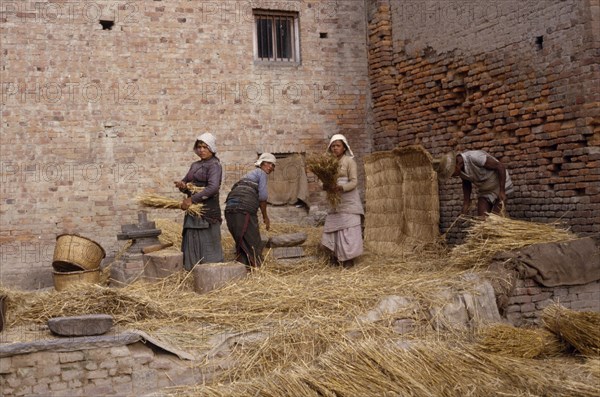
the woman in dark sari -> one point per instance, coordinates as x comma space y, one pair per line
201, 241
241, 209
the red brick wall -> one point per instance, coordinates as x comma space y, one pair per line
519, 80
91, 118
528, 299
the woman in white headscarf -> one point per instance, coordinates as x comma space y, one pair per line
241, 209
342, 233
201, 241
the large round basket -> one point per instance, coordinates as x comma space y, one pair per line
73, 252
63, 280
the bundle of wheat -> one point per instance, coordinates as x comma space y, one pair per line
493, 234
193, 188
326, 168
157, 201
511, 341
580, 329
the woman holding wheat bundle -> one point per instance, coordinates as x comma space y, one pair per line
201, 241
342, 233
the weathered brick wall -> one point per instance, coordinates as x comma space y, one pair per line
130, 370
529, 298
91, 117
517, 79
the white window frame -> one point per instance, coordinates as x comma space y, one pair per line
262, 13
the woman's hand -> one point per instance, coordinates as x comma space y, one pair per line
185, 204
180, 184
267, 222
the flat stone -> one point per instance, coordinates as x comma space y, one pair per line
287, 240
85, 325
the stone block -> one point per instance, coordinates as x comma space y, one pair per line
288, 252
287, 240
210, 276
70, 357
161, 264
84, 325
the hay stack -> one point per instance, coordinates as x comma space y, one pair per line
488, 236
510, 341
579, 329
158, 201
402, 203
326, 167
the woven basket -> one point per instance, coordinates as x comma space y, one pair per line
73, 253
63, 280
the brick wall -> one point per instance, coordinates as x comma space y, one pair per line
130, 370
91, 117
528, 299
517, 79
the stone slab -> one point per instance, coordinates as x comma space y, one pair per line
287, 240
210, 276
85, 325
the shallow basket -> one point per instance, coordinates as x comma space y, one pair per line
73, 252
63, 280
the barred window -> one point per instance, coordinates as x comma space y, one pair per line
276, 36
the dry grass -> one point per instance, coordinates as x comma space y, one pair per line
326, 167
510, 341
292, 329
158, 201
493, 234
580, 329
412, 368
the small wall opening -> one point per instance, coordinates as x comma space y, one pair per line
106, 25
539, 42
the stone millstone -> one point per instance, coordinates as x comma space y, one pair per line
86, 325
287, 240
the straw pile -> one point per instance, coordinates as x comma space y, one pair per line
488, 236
158, 201
510, 341
326, 167
401, 199
580, 329
418, 369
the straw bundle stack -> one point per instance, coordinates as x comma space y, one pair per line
158, 201
493, 234
401, 199
580, 329
326, 167
510, 341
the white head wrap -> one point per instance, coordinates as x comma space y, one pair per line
340, 137
210, 141
268, 157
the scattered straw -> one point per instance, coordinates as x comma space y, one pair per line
492, 234
520, 342
157, 201
579, 329
326, 167
405, 368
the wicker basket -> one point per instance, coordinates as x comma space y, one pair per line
63, 280
73, 253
